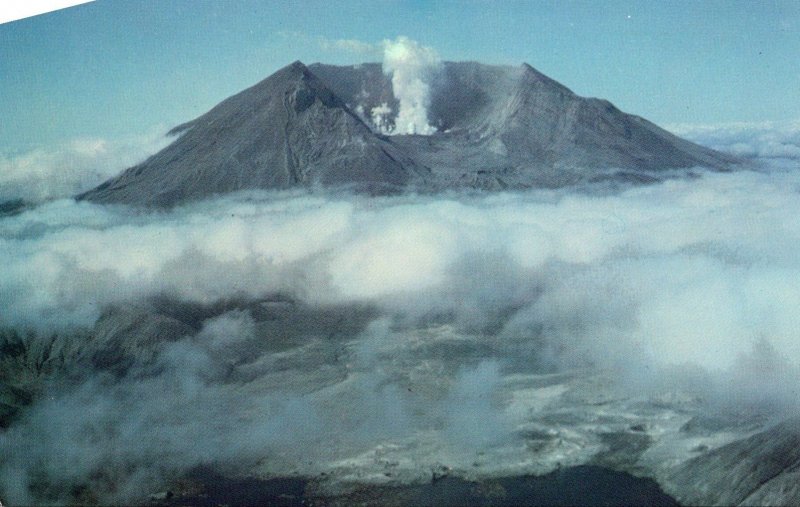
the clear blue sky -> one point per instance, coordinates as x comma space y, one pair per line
115, 68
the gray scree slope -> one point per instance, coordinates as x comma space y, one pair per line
498, 127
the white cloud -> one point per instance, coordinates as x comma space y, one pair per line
652, 282
352, 46
701, 267
348, 46
73, 167
765, 140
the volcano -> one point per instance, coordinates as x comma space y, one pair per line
497, 127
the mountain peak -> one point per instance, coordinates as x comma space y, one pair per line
296, 70
288, 130
497, 127
531, 76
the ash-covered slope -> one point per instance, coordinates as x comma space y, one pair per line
502, 126
288, 130
760, 470
497, 127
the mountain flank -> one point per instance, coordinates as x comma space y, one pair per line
498, 127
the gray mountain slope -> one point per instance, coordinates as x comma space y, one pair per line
498, 127
513, 126
288, 130
760, 470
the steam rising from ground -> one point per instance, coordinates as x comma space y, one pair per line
686, 279
411, 66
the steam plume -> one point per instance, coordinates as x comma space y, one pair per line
411, 66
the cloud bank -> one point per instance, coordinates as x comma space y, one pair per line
766, 140
76, 166
700, 274
283, 304
692, 264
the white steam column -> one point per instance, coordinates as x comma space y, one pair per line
411, 66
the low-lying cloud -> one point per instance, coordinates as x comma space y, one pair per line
765, 140
73, 167
678, 268
689, 275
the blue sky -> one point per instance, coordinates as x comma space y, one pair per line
116, 68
